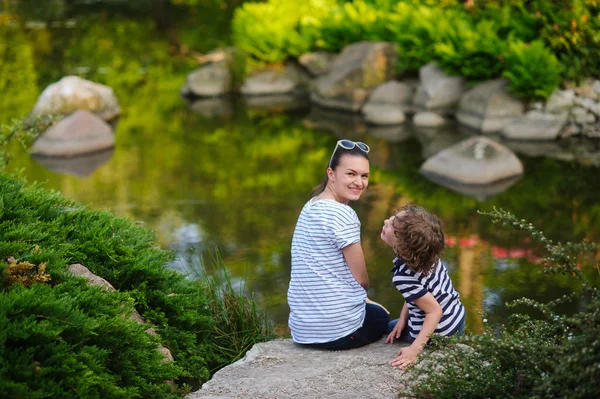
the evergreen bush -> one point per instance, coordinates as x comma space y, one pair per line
553, 356
533, 71
40, 226
468, 49
74, 341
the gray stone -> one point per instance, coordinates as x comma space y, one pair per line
488, 107
582, 115
318, 63
586, 90
534, 149
560, 101
78, 270
428, 119
387, 103
590, 105
73, 93
80, 133
438, 91
355, 73
596, 86
268, 83
281, 369
392, 93
380, 114
536, 125
210, 80
475, 161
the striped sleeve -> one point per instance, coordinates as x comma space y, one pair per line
410, 287
345, 229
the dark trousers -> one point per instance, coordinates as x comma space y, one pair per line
374, 326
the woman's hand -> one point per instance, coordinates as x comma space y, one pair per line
367, 300
406, 356
395, 334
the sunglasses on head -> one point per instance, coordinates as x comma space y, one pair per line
349, 145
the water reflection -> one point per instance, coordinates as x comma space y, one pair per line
81, 166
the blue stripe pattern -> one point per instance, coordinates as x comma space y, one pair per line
326, 303
414, 285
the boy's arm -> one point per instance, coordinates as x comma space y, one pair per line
433, 315
355, 259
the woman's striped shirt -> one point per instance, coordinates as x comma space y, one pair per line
414, 285
326, 302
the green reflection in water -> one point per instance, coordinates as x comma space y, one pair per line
236, 181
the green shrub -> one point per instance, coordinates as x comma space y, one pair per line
533, 71
73, 341
415, 30
553, 356
473, 51
569, 28
271, 31
38, 226
351, 22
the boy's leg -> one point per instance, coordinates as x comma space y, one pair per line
405, 335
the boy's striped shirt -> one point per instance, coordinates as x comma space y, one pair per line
414, 285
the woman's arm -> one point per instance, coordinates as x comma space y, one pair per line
355, 259
433, 315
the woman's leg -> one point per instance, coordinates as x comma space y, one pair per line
374, 326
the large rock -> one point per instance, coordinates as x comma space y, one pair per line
438, 92
80, 133
387, 103
210, 80
318, 63
560, 101
536, 125
73, 93
428, 119
354, 74
282, 369
488, 107
268, 83
475, 161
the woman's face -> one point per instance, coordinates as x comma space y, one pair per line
350, 178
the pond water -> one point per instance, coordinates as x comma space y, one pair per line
228, 179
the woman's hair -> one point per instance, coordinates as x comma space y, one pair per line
420, 239
339, 152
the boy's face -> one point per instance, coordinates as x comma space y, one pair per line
387, 234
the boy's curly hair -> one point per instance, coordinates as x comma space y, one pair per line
420, 239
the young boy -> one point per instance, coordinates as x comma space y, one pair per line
432, 305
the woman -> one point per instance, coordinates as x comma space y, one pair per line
327, 295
